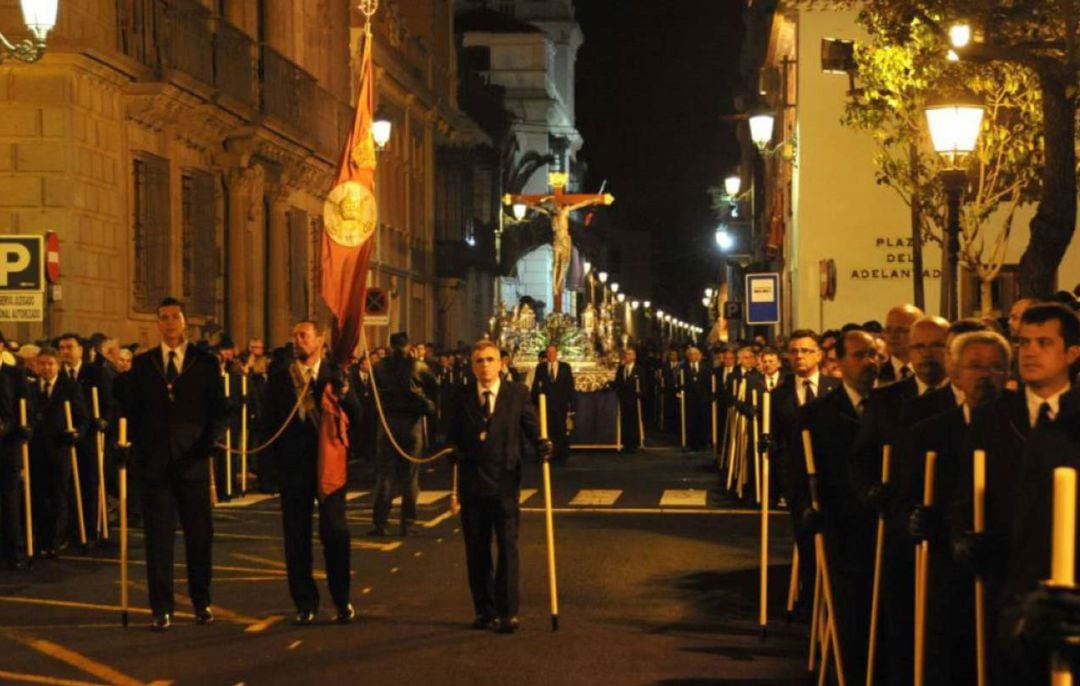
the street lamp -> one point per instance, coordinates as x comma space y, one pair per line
705, 301
954, 130
708, 292
602, 276
647, 304
621, 297
732, 185
39, 17
635, 304
614, 288
724, 240
587, 266
761, 128
380, 130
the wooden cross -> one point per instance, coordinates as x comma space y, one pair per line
558, 205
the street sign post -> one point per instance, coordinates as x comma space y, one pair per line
733, 309
22, 279
763, 298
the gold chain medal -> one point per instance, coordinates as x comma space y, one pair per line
349, 214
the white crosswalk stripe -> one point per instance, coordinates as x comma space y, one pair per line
683, 497
597, 496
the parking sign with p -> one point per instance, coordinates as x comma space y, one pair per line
22, 279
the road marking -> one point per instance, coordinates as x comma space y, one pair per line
294, 645
217, 568
526, 493
596, 496
683, 497
222, 612
353, 495
426, 497
434, 522
82, 606
654, 510
381, 547
36, 679
76, 660
247, 500
263, 625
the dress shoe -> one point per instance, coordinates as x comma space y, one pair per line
483, 622
162, 622
505, 625
346, 614
304, 618
204, 616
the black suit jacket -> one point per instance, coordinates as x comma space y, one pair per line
629, 387
849, 525
561, 397
880, 426
173, 438
50, 420
490, 452
295, 453
785, 427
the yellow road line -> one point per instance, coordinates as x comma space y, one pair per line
653, 510
370, 545
255, 558
79, 605
432, 523
217, 568
37, 679
77, 660
596, 496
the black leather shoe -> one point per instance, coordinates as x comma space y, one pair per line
162, 622
482, 622
345, 615
304, 618
506, 625
204, 616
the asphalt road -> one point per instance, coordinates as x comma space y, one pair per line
654, 588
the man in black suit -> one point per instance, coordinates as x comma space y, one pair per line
296, 454
556, 380
805, 384
978, 366
175, 404
50, 452
12, 387
1048, 341
898, 323
408, 393
695, 383
846, 522
628, 384
88, 376
668, 380
507, 371
488, 422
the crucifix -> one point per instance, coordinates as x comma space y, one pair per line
558, 205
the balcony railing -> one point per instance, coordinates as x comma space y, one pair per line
234, 64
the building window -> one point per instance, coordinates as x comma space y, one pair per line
150, 223
201, 251
299, 283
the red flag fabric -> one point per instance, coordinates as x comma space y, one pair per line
349, 220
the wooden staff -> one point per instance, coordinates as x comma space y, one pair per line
660, 396
815, 620
122, 478
682, 406
922, 564
455, 504
1063, 556
73, 452
640, 415
27, 502
549, 521
757, 453
243, 434
102, 518
733, 427
712, 383
879, 549
979, 487
823, 561
793, 583
228, 441
764, 580
740, 446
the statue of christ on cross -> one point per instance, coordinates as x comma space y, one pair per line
558, 206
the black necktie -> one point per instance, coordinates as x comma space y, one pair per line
808, 392
487, 405
171, 372
1043, 420
905, 372
47, 388
71, 373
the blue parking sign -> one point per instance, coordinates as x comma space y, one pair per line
763, 298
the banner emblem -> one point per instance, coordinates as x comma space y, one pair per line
350, 214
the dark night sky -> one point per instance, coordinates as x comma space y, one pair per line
653, 81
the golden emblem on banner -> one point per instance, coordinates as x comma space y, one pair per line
349, 214
363, 153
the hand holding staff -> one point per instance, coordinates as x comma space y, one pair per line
123, 448
102, 519
922, 564
549, 519
75, 472
25, 427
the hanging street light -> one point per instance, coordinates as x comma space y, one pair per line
40, 18
732, 185
761, 128
381, 127
954, 131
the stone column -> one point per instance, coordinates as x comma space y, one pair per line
277, 277
239, 182
255, 257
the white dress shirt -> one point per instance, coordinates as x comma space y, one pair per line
179, 350
494, 389
800, 387
1034, 402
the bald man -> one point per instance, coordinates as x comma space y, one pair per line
898, 323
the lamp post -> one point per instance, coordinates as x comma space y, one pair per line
39, 17
954, 130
